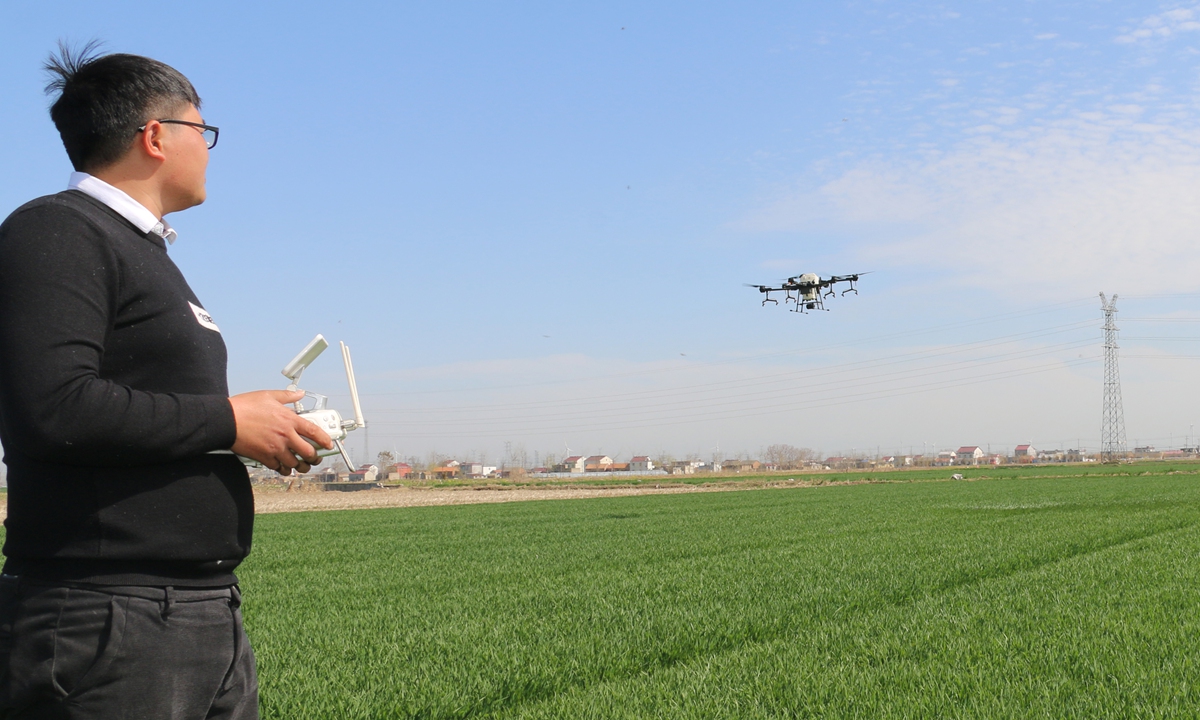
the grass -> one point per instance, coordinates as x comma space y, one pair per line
1015, 596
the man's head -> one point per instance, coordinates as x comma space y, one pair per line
104, 99
134, 123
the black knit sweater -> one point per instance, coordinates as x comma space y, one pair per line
112, 394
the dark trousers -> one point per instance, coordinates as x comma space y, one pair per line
124, 652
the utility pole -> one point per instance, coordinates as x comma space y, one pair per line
1112, 422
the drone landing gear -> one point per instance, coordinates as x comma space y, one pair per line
850, 289
804, 307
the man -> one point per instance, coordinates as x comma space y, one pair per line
126, 513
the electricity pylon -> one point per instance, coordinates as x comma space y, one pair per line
1112, 422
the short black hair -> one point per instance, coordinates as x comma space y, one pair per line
103, 100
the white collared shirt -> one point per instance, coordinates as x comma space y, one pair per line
125, 206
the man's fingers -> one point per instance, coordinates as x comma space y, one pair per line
271, 433
312, 430
285, 396
287, 461
302, 465
303, 448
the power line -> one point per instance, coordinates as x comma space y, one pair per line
860, 365
754, 394
661, 400
623, 422
808, 349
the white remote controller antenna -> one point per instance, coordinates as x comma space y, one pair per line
359, 422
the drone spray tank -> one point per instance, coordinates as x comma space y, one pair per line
810, 290
326, 418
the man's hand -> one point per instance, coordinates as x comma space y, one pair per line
273, 434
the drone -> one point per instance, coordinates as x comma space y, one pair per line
326, 418
808, 291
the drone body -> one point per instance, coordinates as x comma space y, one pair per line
808, 291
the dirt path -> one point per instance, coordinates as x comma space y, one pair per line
276, 501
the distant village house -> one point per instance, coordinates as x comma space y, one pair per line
968, 455
641, 463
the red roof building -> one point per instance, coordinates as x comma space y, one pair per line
968, 455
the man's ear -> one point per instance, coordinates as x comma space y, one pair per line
150, 141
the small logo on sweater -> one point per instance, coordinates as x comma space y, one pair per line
203, 317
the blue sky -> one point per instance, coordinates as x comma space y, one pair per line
532, 222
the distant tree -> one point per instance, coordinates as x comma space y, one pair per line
385, 460
788, 456
773, 453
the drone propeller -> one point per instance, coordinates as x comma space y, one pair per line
764, 288
848, 278
853, 278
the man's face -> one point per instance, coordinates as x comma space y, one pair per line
187, 160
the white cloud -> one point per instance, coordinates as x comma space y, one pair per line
1126, 109
1164, 25
1089, 204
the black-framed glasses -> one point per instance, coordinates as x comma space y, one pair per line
210, 132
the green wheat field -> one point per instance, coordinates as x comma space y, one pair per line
1032, 592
